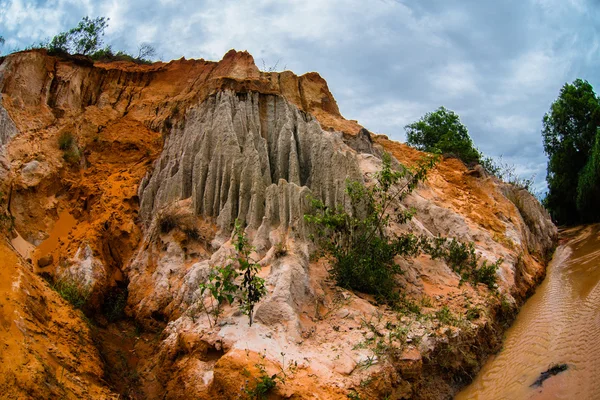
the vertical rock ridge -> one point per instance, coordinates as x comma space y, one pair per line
249, 156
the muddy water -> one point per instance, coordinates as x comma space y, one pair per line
559, 324
61, 229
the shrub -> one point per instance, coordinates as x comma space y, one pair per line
167, 222
66, 140
114, 303
463, 260
486, 273
506, 172
222, 288
361, 251
445, 316
85, 38
72, 291
262, 385
441, 131
72, 156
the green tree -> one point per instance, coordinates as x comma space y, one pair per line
588, 185
569, 133
85, 38
442, 131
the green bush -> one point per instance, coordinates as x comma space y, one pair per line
463, 260
114, 303
66, 140
85, 38
441, 131
72, 291
361, 251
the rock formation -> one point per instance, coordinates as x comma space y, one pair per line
138, 207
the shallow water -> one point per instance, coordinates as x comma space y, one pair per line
61, 229
559, 324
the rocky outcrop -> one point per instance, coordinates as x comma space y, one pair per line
247, 157
7, 127
169, 156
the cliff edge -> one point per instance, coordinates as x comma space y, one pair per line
127, 180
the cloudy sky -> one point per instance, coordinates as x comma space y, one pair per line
498, 64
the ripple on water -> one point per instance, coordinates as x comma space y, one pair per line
560, 323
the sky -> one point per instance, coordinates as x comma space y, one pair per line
498, 64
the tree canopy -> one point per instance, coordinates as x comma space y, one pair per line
442, 131
85, 38
570, 134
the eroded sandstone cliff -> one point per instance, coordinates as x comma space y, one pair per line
200, 144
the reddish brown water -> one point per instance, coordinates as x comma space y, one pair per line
559, 324
61, 229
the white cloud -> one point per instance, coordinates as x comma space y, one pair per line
388, 62
457, 79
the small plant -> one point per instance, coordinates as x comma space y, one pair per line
407, 306
252, 288
220, 284
221, 281
72, 156
68, 144
473, 313
486, 273
463, 260
354, 395
507, 173
72, 291
281, 250
444, 315
114, 303
265, 383
66, 140
169, 219
166, 222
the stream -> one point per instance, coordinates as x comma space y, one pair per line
559, 324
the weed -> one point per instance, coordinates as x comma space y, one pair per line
463, 260
252, 288
72, 291
486, 273
221, 281
166, 222
445, 316
426, 302
265, 383
473, 313
406, 306
72, 156
353, 395
192, 233
114, 304
281, 250
66, 140
220, 284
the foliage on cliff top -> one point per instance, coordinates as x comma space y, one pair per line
442, 131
